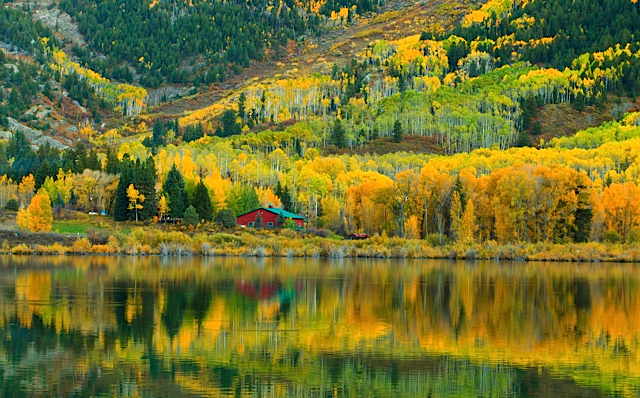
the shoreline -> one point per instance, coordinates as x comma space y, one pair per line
517, 260
144, 243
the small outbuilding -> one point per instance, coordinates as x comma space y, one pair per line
269, 217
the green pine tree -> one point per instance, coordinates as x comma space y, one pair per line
226, 218
202, 202
338, 134
191, 216
397, 131
176, 195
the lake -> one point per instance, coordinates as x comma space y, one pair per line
236, 327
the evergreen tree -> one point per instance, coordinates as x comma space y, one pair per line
158, 134
583, 218
241, 106
191, 216
338, 134
145, 180
397, 131
121, 202
226, 218
92, 161
113, 164
174, 190
202, 202
228, 124
282, 192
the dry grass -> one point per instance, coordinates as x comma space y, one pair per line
289, 244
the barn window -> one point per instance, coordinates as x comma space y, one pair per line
252, 224
269, 224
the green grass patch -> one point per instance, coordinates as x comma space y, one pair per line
71, 227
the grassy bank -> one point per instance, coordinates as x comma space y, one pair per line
151, 241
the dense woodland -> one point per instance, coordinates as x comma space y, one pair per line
479, 87
28, 70
567, 192
276, 144
552, 32
212, 36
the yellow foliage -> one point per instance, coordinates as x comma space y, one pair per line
38, 217
268, 198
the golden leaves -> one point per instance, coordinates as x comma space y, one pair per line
38, 217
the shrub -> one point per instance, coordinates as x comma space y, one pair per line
12, 205
226, 218
612, 236
436, 239
21, 249
97, 237
225, 239
191, 216
81, 246
634, 236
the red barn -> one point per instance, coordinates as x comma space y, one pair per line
268, 217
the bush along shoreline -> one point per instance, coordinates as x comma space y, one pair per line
144, 242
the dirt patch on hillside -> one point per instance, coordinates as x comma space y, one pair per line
380, 146
398, 19
559, 120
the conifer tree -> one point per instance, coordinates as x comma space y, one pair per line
191, 216
282, 192
338, 134
226, 218
397, 131
121, 202
202, 202
145, 181
113, 165
174, 190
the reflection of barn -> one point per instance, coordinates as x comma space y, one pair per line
269, 217
273, 295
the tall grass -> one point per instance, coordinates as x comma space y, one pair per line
142, 242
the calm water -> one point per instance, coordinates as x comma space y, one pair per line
132, 327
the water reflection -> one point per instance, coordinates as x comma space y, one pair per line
151, 327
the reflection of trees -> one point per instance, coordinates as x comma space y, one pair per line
357, 328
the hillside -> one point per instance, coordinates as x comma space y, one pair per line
452, 122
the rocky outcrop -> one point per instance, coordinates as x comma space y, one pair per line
36, 137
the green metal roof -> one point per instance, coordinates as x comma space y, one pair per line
283, 213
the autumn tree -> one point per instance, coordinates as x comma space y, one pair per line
163, 207
26, 189
455, 215
621, 208
38, 216
468, 227
241, 199
136, 199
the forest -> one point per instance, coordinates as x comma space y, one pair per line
218, 36
301, 142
